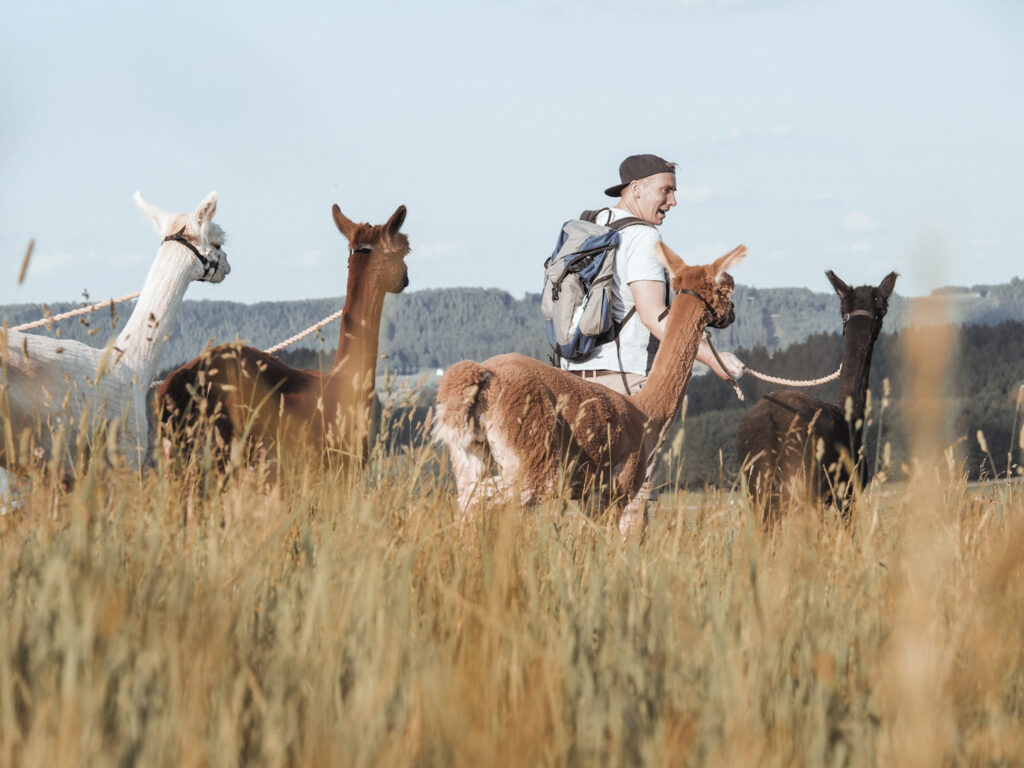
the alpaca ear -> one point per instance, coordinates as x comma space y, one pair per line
395, 222
345, 226
888, 283
668, 258
204, 213
158, 216
841, 288
731, 259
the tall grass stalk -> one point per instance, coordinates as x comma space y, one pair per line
321, 618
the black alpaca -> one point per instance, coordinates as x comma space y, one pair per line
780, 438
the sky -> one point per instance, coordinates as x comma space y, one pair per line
861, 137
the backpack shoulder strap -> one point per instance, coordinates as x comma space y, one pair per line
617, 224
620, 224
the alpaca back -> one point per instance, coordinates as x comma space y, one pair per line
457, 415
786, 442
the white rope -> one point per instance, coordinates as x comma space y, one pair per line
305, 333
734, 379
74, 312
794, 382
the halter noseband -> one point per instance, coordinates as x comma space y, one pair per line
715, 322
209, 265
856, 313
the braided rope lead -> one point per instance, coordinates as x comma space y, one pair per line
795, 382
74, 312
305, 333
286, 342
734, 379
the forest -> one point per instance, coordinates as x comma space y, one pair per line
982, 390
786, 332
433, 328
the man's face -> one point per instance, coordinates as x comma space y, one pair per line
656, 194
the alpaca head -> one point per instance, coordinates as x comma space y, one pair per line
709, 282
197, 232
863, 304
377, 252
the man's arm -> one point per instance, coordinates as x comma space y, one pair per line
649, 298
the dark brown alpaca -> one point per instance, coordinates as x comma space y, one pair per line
793, 446
244, 391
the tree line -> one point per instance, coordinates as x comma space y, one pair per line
981, 391
429, 329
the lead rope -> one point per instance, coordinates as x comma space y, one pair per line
74, 313
111, 302
734, 379
303, 334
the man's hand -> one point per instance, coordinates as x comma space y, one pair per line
735, 366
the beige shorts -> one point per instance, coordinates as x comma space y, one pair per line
614, 382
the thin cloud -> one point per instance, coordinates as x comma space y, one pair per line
126, 259
733, 134
699, 193
861, 246
439, 250
820, 197
858, 221
746, 134
306, 259
49, 263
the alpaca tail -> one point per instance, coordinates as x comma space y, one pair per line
459, 405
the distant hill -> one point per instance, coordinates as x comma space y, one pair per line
437, 327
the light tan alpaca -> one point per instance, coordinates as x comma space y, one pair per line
549, 431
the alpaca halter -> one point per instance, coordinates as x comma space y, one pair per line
209, 265
716, 321
856, 313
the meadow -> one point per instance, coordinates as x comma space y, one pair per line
176, 618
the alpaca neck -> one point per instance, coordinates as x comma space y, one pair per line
853, 381
141, 341
673, 363
355, 362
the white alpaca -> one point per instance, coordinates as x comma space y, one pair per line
60, 387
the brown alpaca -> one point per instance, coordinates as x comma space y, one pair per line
248, 393
794, 447
549, 431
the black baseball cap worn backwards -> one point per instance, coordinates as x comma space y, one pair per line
639, 167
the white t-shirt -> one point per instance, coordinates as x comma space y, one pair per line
635, 260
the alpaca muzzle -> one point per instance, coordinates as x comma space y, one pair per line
724, 320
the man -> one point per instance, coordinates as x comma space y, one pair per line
647, 192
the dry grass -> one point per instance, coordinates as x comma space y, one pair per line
329, 622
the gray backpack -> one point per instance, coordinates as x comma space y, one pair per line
577, 298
